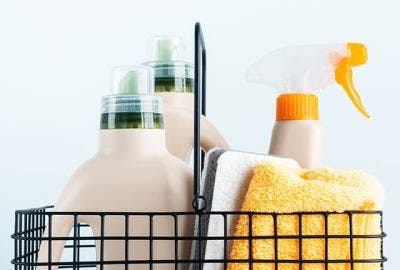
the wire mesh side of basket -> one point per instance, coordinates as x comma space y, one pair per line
30, 226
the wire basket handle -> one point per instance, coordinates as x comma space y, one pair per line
199, 202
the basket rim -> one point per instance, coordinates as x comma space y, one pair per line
44, 211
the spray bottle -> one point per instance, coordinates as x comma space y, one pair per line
174, 83
132, 171
298, 72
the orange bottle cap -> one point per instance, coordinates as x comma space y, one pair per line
297, 107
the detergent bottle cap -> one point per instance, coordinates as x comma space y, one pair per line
166, 56
132, 91
298, 71
166, 48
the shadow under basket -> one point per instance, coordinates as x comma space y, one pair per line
296, 236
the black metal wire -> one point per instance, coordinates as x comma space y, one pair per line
199, 202
30, 234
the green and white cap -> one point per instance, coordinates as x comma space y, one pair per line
132, 91
166, 55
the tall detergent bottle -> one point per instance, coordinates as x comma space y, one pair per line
132, 171
174, 83
297, 72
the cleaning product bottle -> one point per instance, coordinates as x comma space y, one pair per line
132, 171
174, 83
297, 72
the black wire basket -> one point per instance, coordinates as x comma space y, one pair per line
81, 243
84, 249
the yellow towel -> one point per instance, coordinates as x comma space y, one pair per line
279, 189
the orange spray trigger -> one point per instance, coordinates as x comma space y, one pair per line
344, 77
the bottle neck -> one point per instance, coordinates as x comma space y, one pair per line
297, 107
131, 141
173, 84
136, 120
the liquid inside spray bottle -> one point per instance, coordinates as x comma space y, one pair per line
297, 72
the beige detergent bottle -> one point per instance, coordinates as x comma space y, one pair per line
132, 171
174, 83
297, 72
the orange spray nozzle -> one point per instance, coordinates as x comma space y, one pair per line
356, 55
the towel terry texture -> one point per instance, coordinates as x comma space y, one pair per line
277, 188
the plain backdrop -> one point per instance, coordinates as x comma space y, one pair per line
55, 57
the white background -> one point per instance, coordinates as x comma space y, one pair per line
55, 58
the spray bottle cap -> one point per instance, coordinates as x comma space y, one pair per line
299, 70
132, 91
166, 55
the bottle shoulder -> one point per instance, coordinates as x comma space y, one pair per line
102, 168
299, 124
103, 185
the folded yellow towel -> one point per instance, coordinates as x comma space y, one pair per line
279, 189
